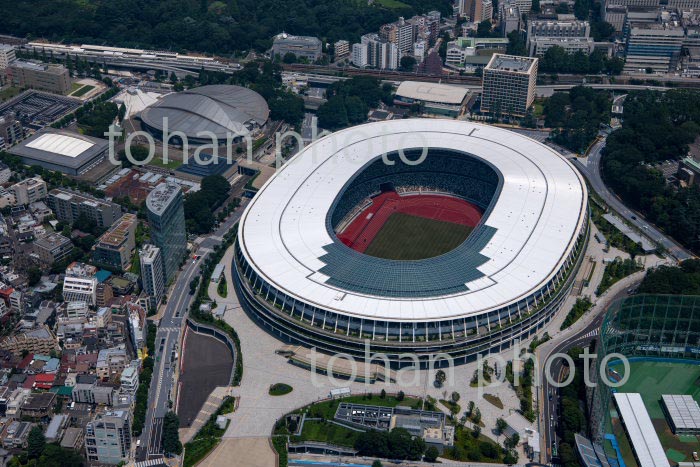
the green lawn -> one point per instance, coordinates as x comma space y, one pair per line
468, 448
82, 90
406, 237
652, 379
327, 432
391, 4
280, 389
172, 164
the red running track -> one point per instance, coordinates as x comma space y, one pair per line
362, 230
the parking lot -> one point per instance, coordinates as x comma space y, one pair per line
37, 110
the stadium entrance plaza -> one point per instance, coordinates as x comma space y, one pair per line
257, 411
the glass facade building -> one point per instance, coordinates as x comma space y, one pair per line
166, 218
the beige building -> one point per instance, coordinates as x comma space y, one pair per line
29, 190
52, 248
509, 85
116, 246
40, 340
45, 77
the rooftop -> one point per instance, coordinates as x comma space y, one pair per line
161, 197
511, 63
442, 93
61, 147
62, 144
683, 410
640, 430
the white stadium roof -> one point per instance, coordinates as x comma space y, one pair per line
640, 429
60, 144
537, 218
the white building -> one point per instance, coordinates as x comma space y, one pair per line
29, 190
360, 55
342, 48
152, 277
129, 380
7, 55
76, 289
509, 85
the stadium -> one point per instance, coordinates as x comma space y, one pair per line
660, 337
466, 252
197, 113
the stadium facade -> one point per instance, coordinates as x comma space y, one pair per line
500, 285
221, 110
644, 327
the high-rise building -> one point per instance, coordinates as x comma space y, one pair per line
152, 276
108, 438
359, 55
401, 33
509, 18
166, 217
7, 55
654, 46
68, 205
509, 85
46, 77
116, 246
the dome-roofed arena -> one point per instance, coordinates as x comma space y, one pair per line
219, 109
466, 252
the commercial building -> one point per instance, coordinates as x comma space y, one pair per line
152, 274
646, 445
341, 48
459, 50
45, 77
69, 205
400, 33
655, 46
116, 246
509, 84
166, 217
682, 413
108, 438
436, 99
571, 35
52, 248
7, 55
375, 52
29, 190
80, 289
63, 151
306, 47
303, 284
11, 131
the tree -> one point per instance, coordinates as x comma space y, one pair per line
407, 63
289, 57
377, 463
476, 418
35, 442
484, 29
470, 408
512, 441
400, 396
431, 454
440, 378
171, 440
476, 431
33, 276
382, 395
455, 397
501, 425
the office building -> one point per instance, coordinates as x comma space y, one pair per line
341, 48
509, 85
166, 217
570, 35
108, 438
652, 46
306, 47
45, 77
116, 246
111, 362
461, 48
486, 10
80, 289
152, 276
7, 55
509, 17
68, 205
11, 132
29, 190
52, 248
5, 173
64, 151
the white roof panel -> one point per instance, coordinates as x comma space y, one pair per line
640, 429
60, 144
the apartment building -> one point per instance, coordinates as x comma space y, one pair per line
509, 85
68, 205
36, 75
29, 190
116, 247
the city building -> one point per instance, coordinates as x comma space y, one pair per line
509, 84
5, 173
7, 55
29, 190
306, 47
108, 438
311, 281
341, 48
571, 35
462, 48
129, 380
63, 151
152, 274
38, 405
69, 205
40, 340
400, 33
486, 10
166, 218
111, 362
436, 99
52, 248
509, 18
80, 289
53, 78
375, 52
11, 132
115, 247
360, 55
652, 46
682, 413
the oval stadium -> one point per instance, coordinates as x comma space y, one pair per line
415, 236
219, 109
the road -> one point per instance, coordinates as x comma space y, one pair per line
168, 341
590, 168
579, 335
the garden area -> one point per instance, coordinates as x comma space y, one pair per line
208, 436
280, 389
618, 269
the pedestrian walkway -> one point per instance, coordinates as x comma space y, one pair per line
210, 406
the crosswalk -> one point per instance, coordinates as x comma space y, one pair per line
590, 334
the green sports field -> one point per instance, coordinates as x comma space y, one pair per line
407, 237
652, 379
